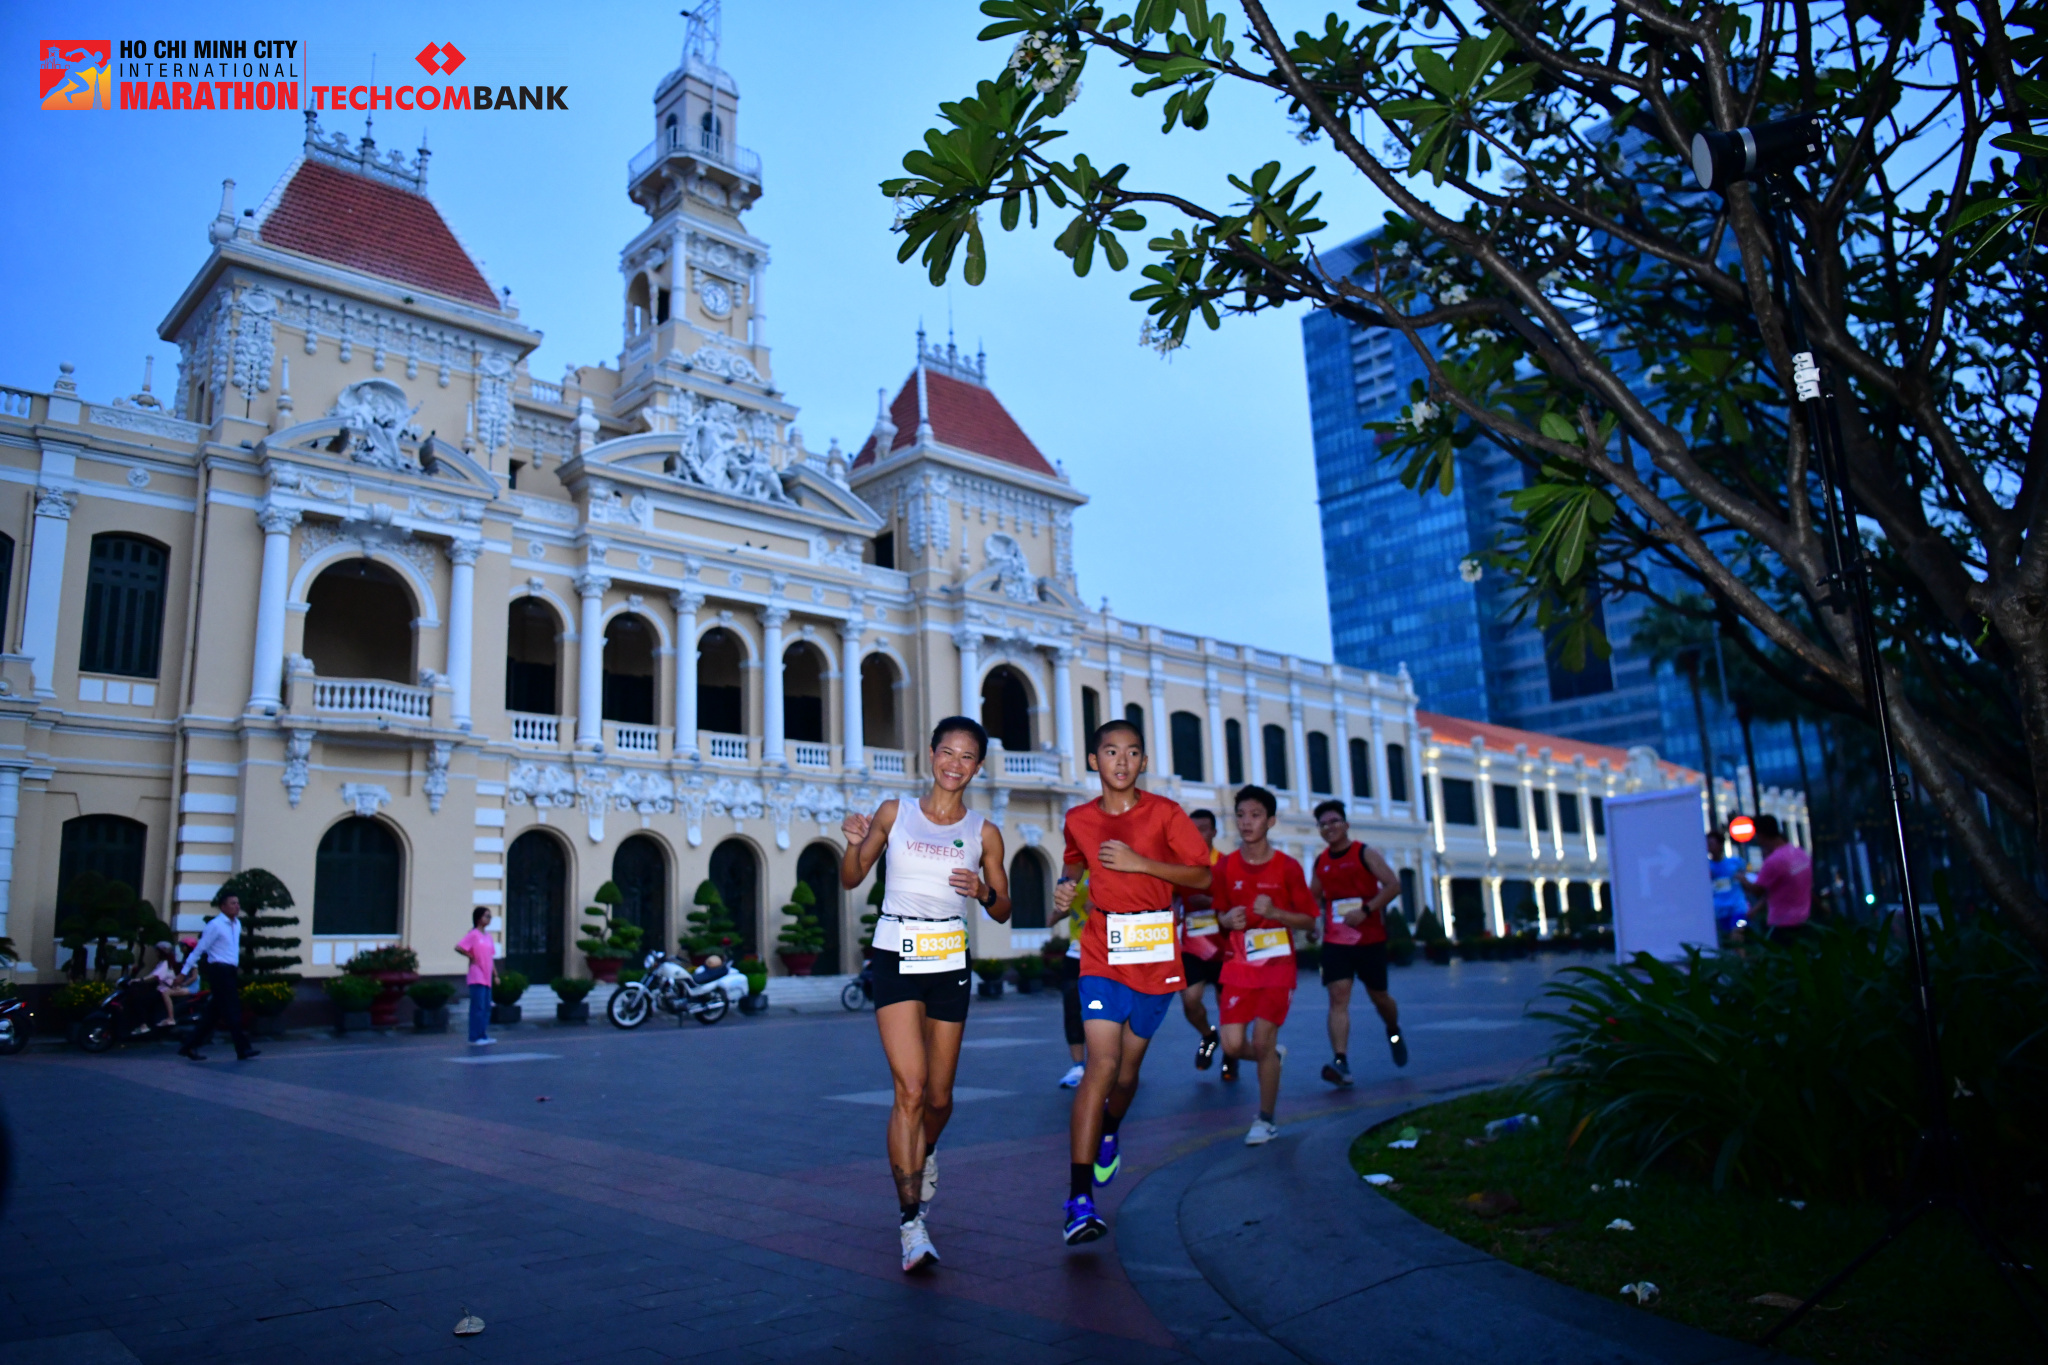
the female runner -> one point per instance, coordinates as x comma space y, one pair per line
935, 846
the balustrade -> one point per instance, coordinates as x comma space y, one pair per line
634, 739
371, 697
811, 755
531, 729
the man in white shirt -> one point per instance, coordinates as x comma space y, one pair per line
218, 955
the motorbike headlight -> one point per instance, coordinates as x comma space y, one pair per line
652, 958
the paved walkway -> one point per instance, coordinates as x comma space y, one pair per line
671, 1193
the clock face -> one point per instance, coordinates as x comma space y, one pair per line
716, 297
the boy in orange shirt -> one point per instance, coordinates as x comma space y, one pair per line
1261, 897
1136, 849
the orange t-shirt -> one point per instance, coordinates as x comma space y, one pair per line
1239, 883
1205, 946
1155, 828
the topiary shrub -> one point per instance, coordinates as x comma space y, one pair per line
610, 936
709, 928
802, 933
265, 955
431, 995
509, 986
351, 994
395, 957
571, 989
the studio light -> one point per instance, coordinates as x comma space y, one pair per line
1721, 159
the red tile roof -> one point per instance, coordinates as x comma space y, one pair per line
964, 416
379, 229
1503, 739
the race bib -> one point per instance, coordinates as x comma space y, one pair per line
1348, 905
925, 946
1724, 884
1200, 924
1263, 945
1144, 937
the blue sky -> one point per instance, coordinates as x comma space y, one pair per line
1200, 468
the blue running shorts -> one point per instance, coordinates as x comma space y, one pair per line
1103, 998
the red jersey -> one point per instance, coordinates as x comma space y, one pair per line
1344, 877
1131, 936
1261, 953
1198, 932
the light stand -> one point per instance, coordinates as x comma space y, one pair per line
1936, 1172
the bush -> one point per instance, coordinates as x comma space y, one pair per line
267, 997
263, 953
509, 986
395, 957
990, 968
1792, 1068
1029, 967
710, 925
610, 936
755, 971
76, 999
351, 993
803, 933
628, 975
1430, 929
571, 989
431, 995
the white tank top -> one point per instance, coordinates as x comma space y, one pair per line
922, 856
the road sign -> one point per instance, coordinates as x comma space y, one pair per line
1742, 829
1663, 898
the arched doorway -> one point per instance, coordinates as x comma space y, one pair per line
1006, 709
629, 671
1028, 901
640, 871
536, 890
879, 682
359, 618
357, 875
803, 694
533, 636
737, 875
818, 868
721, 661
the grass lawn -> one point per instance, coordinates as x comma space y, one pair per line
1929, 1297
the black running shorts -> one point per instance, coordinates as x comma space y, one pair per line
1366, 961
944, 995
1202, 971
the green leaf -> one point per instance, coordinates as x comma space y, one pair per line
1559, 428
1435, 70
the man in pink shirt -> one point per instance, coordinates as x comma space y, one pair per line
1785, 881
482, 951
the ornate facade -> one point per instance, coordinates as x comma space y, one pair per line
368, 604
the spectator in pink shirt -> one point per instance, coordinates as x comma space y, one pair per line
482, 951
1785, 882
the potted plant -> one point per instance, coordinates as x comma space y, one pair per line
802, 938
1400, 941
1030, 968
74, 1000
1435, 945
572, 1008
611, 940
505, 993
990, 970
755, 1001
352, 995
265, 1000
709, 928
393, 967
430, 1005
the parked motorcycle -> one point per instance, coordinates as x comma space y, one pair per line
133, 1013
15, 1025
670, 987
860, 991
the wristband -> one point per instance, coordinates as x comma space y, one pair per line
985, 904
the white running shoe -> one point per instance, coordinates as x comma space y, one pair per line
1262, 1133
931, 1178
1072, 1080
917, 1245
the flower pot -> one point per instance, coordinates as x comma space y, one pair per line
504, 1014
755, 1002
354, 1021
1439, 953
1402, 952
604, 968
430, 1021
990, 990
567, 1012
1027, 985
269, 1025
799, 963
384, 1009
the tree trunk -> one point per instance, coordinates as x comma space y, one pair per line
1699, 715
1742, 716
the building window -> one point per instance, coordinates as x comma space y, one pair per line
878, 683
1599, 811
818, 868
736, 873
1276, 757
720, 661
1027, 890
532, 644
1135, 714
1567, 813
628, 671
1187, 745
803, 694
1409, 906
1091, 715
110, 846
1397, 773
640, 871
1539, 802
661, 305
885, 550
670, 127
1468, 901
1233, 752
1361, 769
1428, 813
1319, 780
512, 473
356, 874
359, 623
1461, 802
124, 607
1006, 709
1507, 806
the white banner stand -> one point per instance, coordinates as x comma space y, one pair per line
1657, 865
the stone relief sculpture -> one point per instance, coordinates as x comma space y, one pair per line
374, 418
1002, 553
725, 448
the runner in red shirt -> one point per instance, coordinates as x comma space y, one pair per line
1261, 898
1136, 848
1354, 886
1201, 953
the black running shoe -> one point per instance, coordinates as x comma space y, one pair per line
1205, 1055
1230, 1070
1337, 1072
1398, 1048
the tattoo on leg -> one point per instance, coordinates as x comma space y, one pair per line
909, 1185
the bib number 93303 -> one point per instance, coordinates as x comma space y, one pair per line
1143, 937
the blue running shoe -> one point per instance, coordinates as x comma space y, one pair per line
1083, 1225
1108, 1161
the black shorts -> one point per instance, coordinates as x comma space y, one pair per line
1202, 971
1366, 961
944, 995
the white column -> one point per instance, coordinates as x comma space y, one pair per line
772, 719
590, 661
10, 807
1529, 814
1482, 782
1299, 729
852, 733
1379, 766
462, 556
1500, 913
969, 644
1436, 802
1160, 741
1542, 914
1586, 816
686, 604
1343, 743
43, 604
1556, 822
266, 672
1063, 709
1254, 736
1217, 769
1113, 676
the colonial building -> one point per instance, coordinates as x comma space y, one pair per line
364, 602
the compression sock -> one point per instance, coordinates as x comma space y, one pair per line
1343, 1056
908, 1213
1080, 1180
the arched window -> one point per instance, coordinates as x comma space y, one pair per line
359, 623
637, 309
1276, 757
536, 895
1028, 900
6, 577
629, 671
720, 699
1091, 715
1187, 745
640, 871
1397, 773
1361, 769
356, 878
1233, 752
1006, 709
124, 607
803, 694
737, 875
1319, 780
711, 129
818, 868
879, 682
1135, 714
669, 130
110, 845
532, 652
